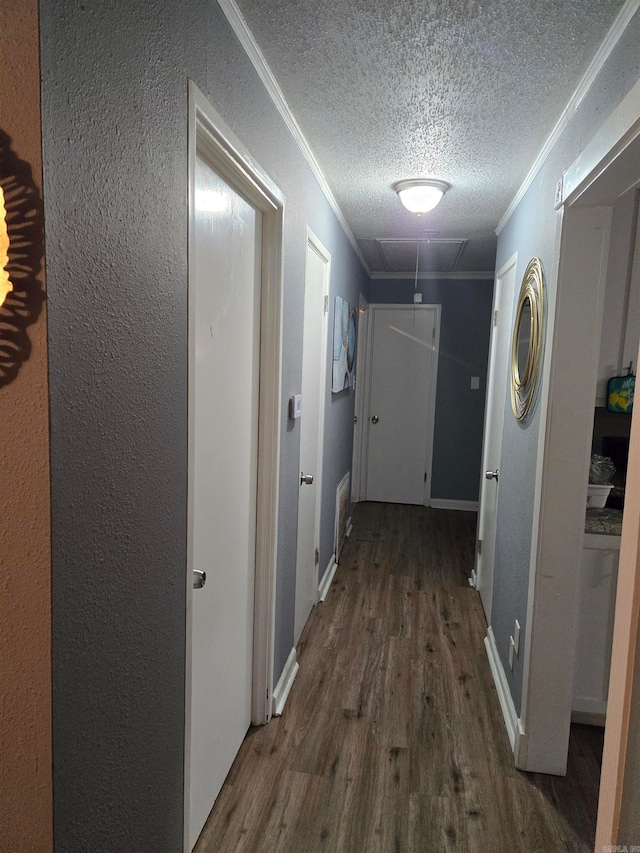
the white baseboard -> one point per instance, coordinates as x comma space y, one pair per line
325, 583
285, 683
517, 736
349, 527
461, 506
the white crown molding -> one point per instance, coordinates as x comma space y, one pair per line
248, 42
430, 276
612, 38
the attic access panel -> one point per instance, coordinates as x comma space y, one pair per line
437, 254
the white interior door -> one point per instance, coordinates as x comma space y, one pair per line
404, 356
224, 332
499, 361
314, 378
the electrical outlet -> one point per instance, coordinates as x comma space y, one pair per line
512, 648
516, 637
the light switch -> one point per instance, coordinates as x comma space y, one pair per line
475, 383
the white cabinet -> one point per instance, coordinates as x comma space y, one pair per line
596, 609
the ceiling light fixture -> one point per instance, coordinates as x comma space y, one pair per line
420, 195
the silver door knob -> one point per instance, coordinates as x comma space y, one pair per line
492, 475
375, 419
199, 579
307, 479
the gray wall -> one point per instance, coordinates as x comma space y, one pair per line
532, 231
114, 78
347, 280
465, 328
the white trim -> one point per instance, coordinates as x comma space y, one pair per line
349, 527
208, 132
616, 31
327, 577
358, 463
435, 276
502, 686
250, 46
285, 683
612, 137
446, 503
431, 414
515, 731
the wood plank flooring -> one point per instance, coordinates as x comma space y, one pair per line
392, 739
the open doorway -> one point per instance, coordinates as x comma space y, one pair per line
607, 169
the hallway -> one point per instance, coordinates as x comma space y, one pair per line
392, 737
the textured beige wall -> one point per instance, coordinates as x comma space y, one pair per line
25, 564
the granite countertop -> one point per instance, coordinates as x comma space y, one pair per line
603, 521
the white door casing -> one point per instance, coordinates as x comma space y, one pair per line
358, 465
226, 300
235, 286
403, 359
313, 392
499, 361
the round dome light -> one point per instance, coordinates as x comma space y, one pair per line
421, 195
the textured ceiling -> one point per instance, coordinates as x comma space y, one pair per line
463, 90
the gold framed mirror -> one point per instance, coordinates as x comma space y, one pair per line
527, 341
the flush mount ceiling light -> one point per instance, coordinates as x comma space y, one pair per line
420, 195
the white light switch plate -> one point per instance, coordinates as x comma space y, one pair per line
475, 383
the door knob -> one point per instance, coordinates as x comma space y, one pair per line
199, 579
492, 475
307, 479
375, 419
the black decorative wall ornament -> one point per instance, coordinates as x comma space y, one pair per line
23, 218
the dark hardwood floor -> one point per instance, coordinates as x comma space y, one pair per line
392, 738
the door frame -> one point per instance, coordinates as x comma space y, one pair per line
358, 483
583, 234
208, 132
314, 244
368, 378
494, 387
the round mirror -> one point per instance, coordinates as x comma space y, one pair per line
527, 341
524, 338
